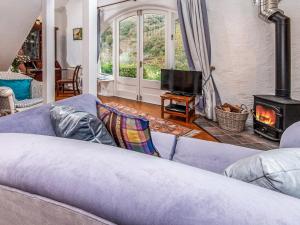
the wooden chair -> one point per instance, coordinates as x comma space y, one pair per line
60, 84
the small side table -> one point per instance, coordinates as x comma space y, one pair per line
189, 106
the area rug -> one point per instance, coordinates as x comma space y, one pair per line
157, 124
246, 138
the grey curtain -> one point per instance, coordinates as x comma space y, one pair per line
99, 20
196, 38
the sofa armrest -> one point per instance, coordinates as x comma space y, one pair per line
290, 138
41, 124
7, 100
211, 156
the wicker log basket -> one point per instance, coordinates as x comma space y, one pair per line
232, 118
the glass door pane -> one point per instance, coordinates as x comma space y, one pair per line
106, 52
181, 62
128, 47
154, 46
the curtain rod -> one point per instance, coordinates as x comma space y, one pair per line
116, 3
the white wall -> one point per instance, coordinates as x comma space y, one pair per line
112, 11
242, 44
61, 24
17, 19
292, 9
74, 20
243, 49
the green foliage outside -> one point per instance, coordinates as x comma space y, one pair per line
152, 72
154, 48
106, 49
128, 46
181, 62
128, 70
107, 68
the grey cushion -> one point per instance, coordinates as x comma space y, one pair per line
278, 170
211, 156
290, 138
70, 123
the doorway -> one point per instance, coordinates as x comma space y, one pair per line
142, 42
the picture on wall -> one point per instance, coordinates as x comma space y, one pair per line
77, 34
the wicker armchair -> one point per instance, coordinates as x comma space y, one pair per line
8, 102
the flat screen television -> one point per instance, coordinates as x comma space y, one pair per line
181, 82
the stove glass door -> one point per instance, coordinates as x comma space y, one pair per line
266, 115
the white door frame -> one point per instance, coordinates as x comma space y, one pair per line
150, 89
131, 83
139, 88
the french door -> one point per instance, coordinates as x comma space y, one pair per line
141, 54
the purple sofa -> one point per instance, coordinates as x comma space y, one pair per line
50, 180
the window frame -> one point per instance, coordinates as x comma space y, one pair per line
171, 18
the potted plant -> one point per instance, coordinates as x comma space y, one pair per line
20, 59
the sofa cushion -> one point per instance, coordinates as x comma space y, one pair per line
211, 156
129, 131
164, 143
278, 170
74, 124
37, 120
128, 188
290, 138
21, 88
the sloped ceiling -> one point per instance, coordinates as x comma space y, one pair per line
17, 18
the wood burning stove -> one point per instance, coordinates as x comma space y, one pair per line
274, 114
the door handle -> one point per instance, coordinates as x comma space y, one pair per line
139, 98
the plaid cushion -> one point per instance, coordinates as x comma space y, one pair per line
129, 131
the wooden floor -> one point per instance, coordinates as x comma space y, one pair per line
153, 110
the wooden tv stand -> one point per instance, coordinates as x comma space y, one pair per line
186, 112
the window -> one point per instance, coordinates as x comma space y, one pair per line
154, 46
128, 47
181, 62
106, 52
154, 51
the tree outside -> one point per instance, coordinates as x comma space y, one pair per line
106, 52
128, 47
181, 62
154, 48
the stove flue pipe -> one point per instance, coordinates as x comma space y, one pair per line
267, 8
269, 12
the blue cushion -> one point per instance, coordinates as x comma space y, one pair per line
21, 88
